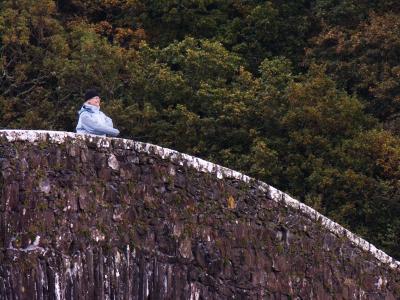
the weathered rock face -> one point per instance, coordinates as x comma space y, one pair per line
85, 217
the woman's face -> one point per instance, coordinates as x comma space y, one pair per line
94, 101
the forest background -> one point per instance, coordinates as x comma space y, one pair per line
301, 94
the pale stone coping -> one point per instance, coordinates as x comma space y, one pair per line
201, 165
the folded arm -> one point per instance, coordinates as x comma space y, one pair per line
95, 127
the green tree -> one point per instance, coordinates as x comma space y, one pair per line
270, 28
30, 34
350, 13
365, 61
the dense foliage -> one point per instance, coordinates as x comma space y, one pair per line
302, 94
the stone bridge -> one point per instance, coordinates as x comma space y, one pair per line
88, 217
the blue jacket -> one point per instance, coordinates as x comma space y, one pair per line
93, 121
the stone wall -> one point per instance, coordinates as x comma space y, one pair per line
85, 217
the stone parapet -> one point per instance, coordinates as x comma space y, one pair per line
94, 217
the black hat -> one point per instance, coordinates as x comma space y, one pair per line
90, 94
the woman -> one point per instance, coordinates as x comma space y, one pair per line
92, 120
